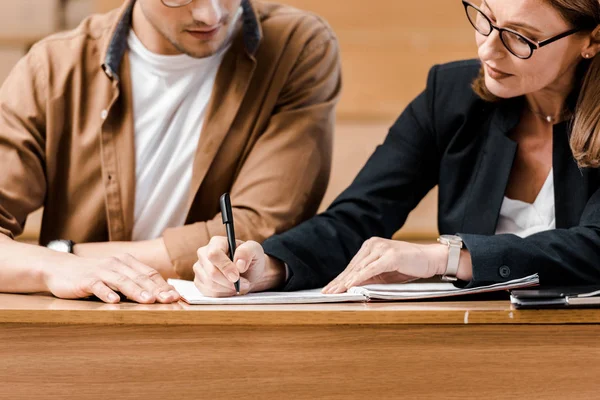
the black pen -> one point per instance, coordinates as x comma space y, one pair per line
227, 215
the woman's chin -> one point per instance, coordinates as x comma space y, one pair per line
499, 89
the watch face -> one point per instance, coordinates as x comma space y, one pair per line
452, 239
58, 245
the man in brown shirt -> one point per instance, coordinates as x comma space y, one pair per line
69, 132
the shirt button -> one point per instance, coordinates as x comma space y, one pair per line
104, 114
504, 271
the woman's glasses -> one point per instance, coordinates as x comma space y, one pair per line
518, 45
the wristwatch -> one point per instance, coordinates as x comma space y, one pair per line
455, 244
64, 246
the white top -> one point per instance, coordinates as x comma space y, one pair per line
524, 219
170, 100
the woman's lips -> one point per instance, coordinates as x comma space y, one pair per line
496, 73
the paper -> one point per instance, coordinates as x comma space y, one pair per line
191, 295
415, 291
408, 291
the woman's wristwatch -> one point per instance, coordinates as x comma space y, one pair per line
455, 244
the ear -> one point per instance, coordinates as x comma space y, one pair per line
592, 44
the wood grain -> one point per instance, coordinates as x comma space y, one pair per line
216, 362
30, 309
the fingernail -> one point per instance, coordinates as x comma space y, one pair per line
174, 294
113, 297
145, 295
232, 276
241, 264
164, 295
244, 286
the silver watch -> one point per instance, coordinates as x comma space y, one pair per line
455, 244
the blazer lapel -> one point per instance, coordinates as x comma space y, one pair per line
231, 85
570, 183
487, 194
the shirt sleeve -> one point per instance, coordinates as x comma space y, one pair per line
22, 144
284, 178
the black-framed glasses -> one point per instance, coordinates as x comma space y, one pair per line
517, 44
176, 3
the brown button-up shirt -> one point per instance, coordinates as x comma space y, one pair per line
67, 140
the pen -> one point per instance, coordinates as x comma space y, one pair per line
227, 215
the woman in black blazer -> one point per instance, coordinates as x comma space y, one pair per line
489, 132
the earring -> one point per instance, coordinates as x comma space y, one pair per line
586, 55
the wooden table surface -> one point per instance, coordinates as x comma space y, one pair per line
46, 309
61, 349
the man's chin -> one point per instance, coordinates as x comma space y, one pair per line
201, 49
204, 53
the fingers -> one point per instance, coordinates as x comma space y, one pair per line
333, 285
340, 284
247, 254
215, 273
211, 285
120, 282
365, 256
104, 293
217, 254
389, 277
365, 273
149, 279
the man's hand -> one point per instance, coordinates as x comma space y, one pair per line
103, 277
215, 273
150, 252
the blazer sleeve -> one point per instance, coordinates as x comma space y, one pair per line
394, 180
560, 256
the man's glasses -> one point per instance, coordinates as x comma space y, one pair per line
176, 3
517, 44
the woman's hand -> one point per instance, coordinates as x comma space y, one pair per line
390, 261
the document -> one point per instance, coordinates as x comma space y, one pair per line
392, 292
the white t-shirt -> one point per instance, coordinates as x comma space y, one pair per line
170, 100
524, 219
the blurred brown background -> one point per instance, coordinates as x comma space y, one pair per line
387, 49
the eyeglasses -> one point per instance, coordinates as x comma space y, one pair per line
176, 3
518, 45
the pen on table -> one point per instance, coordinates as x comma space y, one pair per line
227, 215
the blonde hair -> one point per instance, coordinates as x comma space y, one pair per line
585, 130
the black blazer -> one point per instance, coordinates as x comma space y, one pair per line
449, 137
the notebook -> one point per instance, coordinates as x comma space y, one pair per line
557, 297
392, 292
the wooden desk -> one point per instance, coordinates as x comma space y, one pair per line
58, 349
